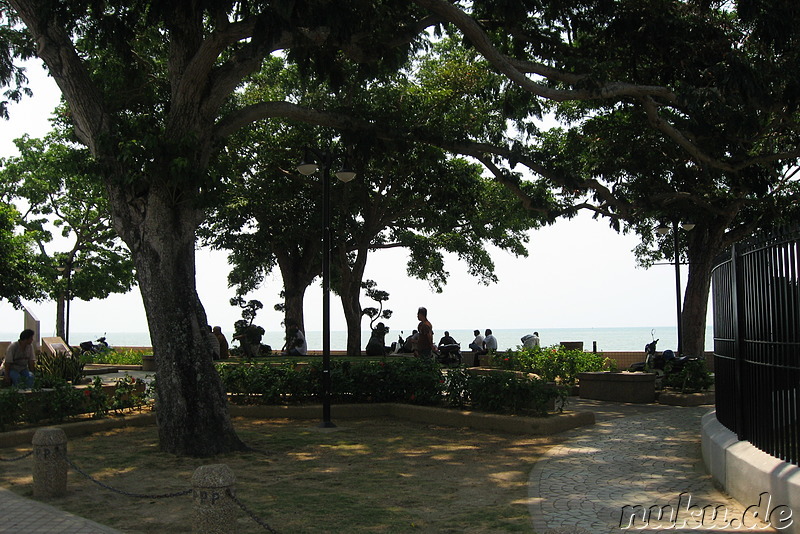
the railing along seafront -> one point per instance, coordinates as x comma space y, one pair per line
756, 299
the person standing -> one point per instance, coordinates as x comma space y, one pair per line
425, 341
224, 352
20, 360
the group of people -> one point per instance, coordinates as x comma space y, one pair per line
218, 343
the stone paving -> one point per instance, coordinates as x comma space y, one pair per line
646, 455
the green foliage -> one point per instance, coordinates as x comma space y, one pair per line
117, 356
52, 368
129, 393
58, 403
96, 398
406, 380
692, 378
11, 407
60, 185
553, 364
506, 392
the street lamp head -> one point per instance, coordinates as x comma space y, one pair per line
346, 174
662, 229
307, 168
688, 226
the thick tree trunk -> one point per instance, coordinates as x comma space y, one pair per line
192, 412
705, 243
298, 270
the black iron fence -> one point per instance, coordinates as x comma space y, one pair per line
756, 300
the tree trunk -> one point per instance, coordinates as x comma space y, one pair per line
192, 412
60, 315
351, 276
298, 270
705, 243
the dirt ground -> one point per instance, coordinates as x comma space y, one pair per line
381, 475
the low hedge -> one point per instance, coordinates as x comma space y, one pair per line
408, 380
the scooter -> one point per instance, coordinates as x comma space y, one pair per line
87, 347
661, 364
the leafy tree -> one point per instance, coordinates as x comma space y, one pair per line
62, 192
379, 296
18, 278
148, 85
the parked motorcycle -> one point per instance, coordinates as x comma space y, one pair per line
660, 364
87, 347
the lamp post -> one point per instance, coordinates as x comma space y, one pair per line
307, 168
663, 229
68, 270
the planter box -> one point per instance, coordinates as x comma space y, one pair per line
618, 387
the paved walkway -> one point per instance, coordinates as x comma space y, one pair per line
646, 455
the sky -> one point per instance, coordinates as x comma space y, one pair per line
579, 273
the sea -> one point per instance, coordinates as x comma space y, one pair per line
605, 339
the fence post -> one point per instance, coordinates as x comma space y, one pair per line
214, 509
49, 462
739, 311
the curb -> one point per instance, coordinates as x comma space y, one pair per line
77, 429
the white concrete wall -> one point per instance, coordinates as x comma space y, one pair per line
764, 484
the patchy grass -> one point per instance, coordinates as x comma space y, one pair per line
382, 476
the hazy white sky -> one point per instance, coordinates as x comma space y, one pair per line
579, 274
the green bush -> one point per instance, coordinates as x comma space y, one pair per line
509, 393
553, 364
11, 407
61, 366
693, 377
407, 380
117, 357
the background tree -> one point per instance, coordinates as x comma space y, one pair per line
18, 270
80, 255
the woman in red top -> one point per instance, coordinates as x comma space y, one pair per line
425, 341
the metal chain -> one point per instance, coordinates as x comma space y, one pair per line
122, 492
17, 458
250, 514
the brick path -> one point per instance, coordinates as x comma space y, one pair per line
644, 455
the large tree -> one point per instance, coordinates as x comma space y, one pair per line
148, 85
62, 194
406, 194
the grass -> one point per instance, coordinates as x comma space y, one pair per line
381, 476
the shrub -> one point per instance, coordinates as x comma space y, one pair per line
553, 364
11, 407
693, 377
61, 366
117, 357
509, 393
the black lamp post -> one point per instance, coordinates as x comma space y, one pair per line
68, 270
307, 168
663, 229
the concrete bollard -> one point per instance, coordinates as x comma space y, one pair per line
49, 463
214, 510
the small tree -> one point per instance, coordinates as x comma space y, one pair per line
379, 296
248, 334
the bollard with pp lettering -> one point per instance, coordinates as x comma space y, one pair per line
49, 463
214, 509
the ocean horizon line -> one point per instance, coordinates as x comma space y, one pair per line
609, 339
